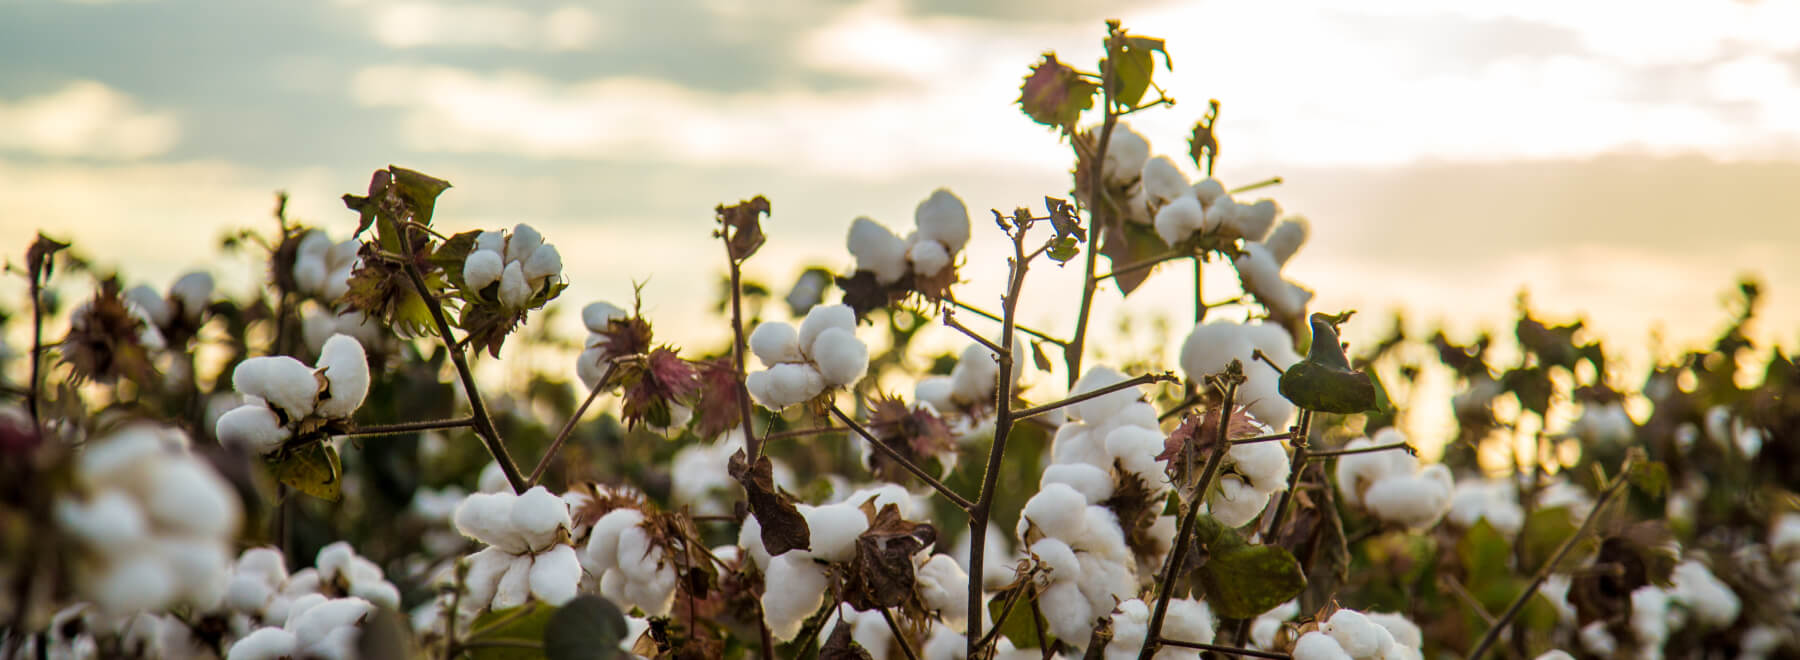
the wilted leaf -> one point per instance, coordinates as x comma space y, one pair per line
1324, 381
741, 225
783, 528
1203, 145
312, 469
839, 646
1055, 95
1127, 243
1038, 358
587, 628
882, 574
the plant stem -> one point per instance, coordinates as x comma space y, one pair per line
484, 425
408, 427
1096, 223
905, 646
752, 447
1228, 650
1145, 379
1322, 455
1284, 435
34, 389
1199, 283
910, 466
950, 320
1543, 572
1006, 609
569, 426
990, 316
1166, 585
1272, 181
1296, 469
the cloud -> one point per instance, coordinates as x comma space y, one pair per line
432, 24
86, 119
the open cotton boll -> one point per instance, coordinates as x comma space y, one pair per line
936, 391
877, 249
487, 517
1101, 537
802, 590
1404, 631
1415, 501
1058, 511
1356, 473
1070, 615
1555, 654
784, 385
109, 522
1100, 408
1355, 633
775, 342
1494, 501
193, 292
1713, 603
482, 268
538, 514
1208, 190
835, 528
975, 376
928, 257
264, 644
253, 427
346, 369
1130, 625
825, 317
544, 262
1056, 555
524, 240
942, 217
1264, 465
1135, 450
1076, 443
1650, 615
1163, 181
1221, 213
1261, 276
1126, 152
1094, 484
1319, 646
319, 622
147, 301
1253, 221
602, 552
515, 291
1287, 238
555, 575
598, 316
944, 588
1179, 219
842, 359
1189, 620
187, 495
282, 381
1236, 503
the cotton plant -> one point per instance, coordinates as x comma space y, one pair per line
1352, 635
1185, 620
968, 392
528, 555
1391, 485
322, 267
799, 364
927, 252
633, 566
283, 396
319, 627
152, 523
1211, 346
185, 303
518, 263
1259, 269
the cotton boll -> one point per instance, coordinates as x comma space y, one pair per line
878, 250
802, 590
523, 241
1261, 276
775, 342
1101, 536
1163, 182
319, 621
482, 268
1253, 221
188, 496
942, 217
346, 369
538, 514
1356, 473
515, 584
1094, 484
1222, 213
154, 308
835, 528
947, 644
1598, 640
515, 291
590, 366
487, 517
1354, 632
1105, 582
1070, 616
1650, 615
494, 241
975, 376
1555, 654
1075, 443
193, 291
109, 522
1287, 238
1713, 603
928, 257
1494, 501
1101, 407
1208, 190
1059, 511
1136, 449
944, 588
1235, 503
598, 316
1264, 465
1415, 501
842, 359
1126, 152
133, 583
264, 644
1405, 632
1181, 218
283, 381
544, 262
1189, 620
555, 575
784, 385
936, 391
1056, 555
1319, 646
825, 317
602, 552
1209, 347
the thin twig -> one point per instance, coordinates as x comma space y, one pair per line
752, 447
1145, 379
1275, 181
569, 426
801, 433
1456, 588
1284, 435
1296, 470
990, 316
1191, 401
1258, 355
910, 466
1136, 266
950, 320
1097, 222
34, 390
1006, 608
905, 646
408, 427
484, 425
1322, 455
1512, 611
1166, 585
1229, 650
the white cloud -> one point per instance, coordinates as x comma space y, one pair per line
86, 119
419, 24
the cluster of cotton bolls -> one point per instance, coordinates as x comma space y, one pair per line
1118, 429
186, 301
1695, 596
280, 391
528, 555
322, 268
1493, 500
1213, 345
316, 627
970, 388
154, 522
80, 632
1353, 635
943, 230
1259, 269
799, 365
1392, 485
633, 568
262, 590
1250, 476
520, 262
1186, 620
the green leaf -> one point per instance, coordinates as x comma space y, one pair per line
1017, 626
1055, 94
1651, 477
1324, 381
1544, 531
1383, 404
525, 624
1483, 552
450, 256
419, 190
1063, 249
1134, 64
587, 628
1243, 580
312, 469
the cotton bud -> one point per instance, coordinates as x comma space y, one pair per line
1163, 182
928, 257
346, 369
284, 382
545, 261
1181, 218
515, 291
1126, 152
1208, 190
255, 428
1254, 221
523, 241
878, 250
821, 318
775, 342
842, 359
942, 217
1287, 238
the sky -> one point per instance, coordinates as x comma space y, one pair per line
1624, 162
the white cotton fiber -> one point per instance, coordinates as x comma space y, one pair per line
538, 514
1056, 555
1404, 631
282, 381
494, 241
1264, 465
825, 317
1208, 190
193, 292
1415, 501
785, 384
1253, 221
523, 241
515, 290
1070, 615
942, 217
1163, 181
1059, 511
1126, 152
264, 644
1135, 449
1094, 484
545, 261
1099, 408
187, 495
555, 575
253, 427
1287, 238
598, 316
937, 391
944, 587
1713, 603
835, 528
1222, 213
346, 369
482, 268
110, 521
154, 308
1189, 620
1235, 503
1319, 646
802, 590
842, 359
877, 249
1076, 443
602, 552
928, 257
318, 621
487, 517
1179, 219
515, 584
1354, 632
